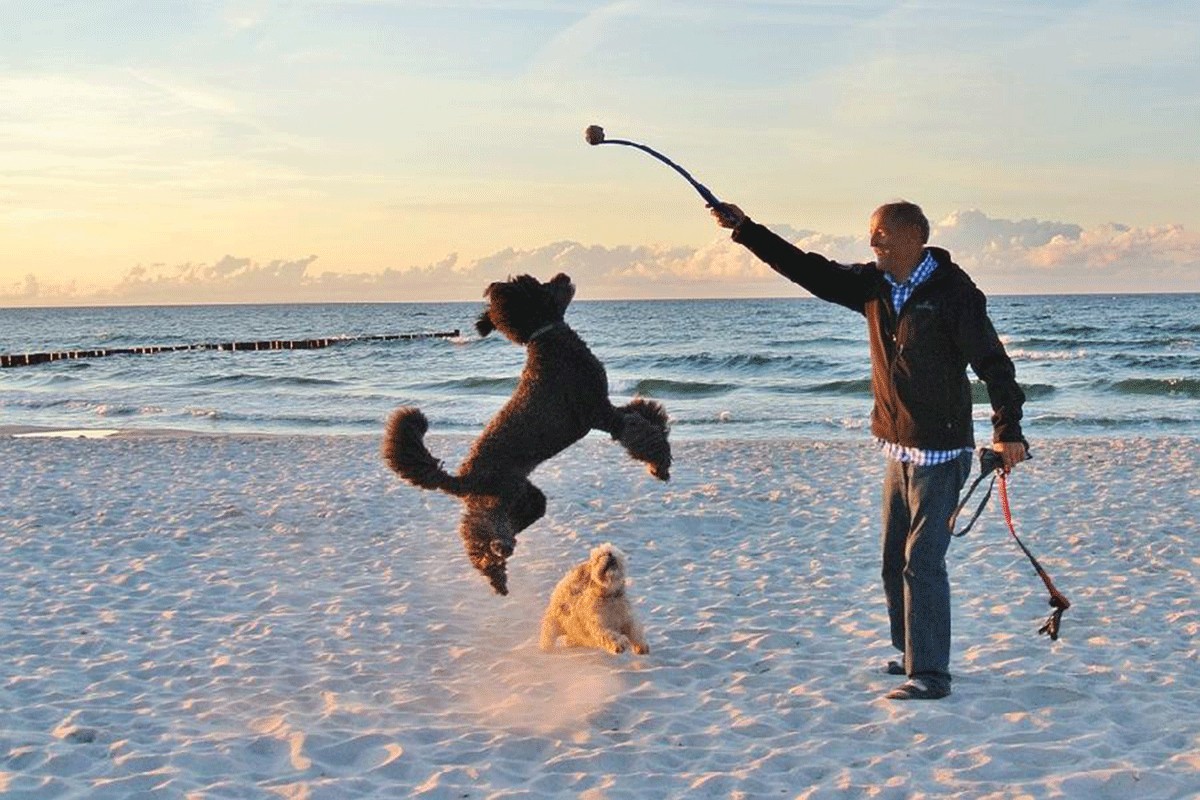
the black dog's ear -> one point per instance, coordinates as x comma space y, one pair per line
562, 290
484, 324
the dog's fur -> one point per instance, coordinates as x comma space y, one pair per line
561, 395
589, 607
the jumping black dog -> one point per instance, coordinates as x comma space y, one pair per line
561, 395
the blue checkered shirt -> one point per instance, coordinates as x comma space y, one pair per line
900, 294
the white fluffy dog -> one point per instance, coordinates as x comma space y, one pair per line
589, 608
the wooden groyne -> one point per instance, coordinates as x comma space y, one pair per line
30, 359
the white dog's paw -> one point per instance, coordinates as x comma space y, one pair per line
641, 649
619, 644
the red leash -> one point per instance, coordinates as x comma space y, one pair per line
1057, 599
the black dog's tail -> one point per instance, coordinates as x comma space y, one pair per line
644, 435
405, 452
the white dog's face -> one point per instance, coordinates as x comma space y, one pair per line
589, 607
607, 567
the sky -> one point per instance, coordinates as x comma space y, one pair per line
396, 150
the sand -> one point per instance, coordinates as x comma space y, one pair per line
240, 617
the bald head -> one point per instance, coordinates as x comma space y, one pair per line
899, 232
903, 213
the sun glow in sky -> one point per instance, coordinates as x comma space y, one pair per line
399, 150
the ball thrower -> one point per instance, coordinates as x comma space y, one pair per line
595, 135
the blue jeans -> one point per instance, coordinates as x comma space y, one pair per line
917, 504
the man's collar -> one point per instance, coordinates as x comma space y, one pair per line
920, 272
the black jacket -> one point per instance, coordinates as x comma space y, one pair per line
918, 359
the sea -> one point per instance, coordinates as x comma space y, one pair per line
1091, 366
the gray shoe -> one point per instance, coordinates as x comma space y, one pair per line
918, 689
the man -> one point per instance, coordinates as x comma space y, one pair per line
926, 323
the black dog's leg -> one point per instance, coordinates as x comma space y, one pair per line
610, 420
528, 509
488, 538
490, 525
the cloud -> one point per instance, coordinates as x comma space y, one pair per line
227, 280
1033, 255
33, 292
975, 232
1115, 245
1004, 256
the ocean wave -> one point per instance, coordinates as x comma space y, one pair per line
1158, 361
1075, 329
1114, 340
58, 377
1033, 391
120, 410
861, 387
471, 384
257, 380
1159, 387
1155, 424
1023, 354
735, 363
858, 387
1012, 343
76, 405
668, 388
275, 422
40, 403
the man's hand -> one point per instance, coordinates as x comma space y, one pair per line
727, 215
1011, 453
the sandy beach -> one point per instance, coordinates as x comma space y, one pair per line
240, 617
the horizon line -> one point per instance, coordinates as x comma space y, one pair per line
700, 299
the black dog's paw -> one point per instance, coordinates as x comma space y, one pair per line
643, 433
502, 548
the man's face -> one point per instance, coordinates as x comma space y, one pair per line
898, 248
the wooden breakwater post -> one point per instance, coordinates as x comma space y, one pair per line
31, 359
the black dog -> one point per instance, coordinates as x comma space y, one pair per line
562, 394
